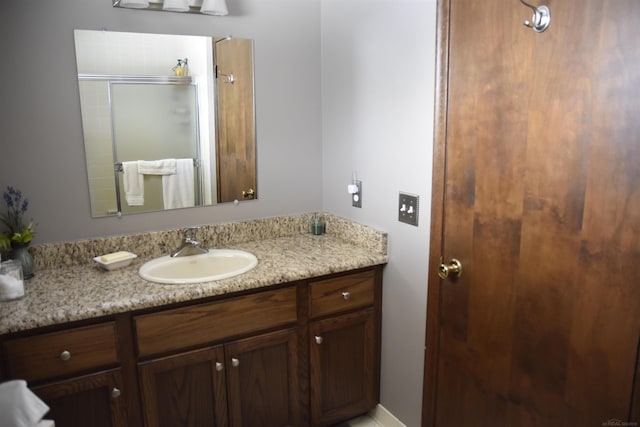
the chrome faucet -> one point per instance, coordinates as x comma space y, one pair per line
190, 245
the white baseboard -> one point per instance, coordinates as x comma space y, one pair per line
385, 418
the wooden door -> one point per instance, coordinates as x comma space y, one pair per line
93, 400
185, 390
342, 367
262, 380
235, 121
537, 171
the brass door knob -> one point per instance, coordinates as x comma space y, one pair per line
453, 270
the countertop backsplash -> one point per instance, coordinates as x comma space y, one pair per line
157, 243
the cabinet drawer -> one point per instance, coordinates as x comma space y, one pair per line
203, 324
62, 353
342, 293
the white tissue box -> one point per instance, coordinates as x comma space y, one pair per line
115, 260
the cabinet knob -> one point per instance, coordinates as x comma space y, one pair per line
65, 355
115, 393
234, 362
219, 366
318, 339
346, 295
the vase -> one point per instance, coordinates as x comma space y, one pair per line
20, 252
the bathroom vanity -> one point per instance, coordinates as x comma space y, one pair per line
294, 342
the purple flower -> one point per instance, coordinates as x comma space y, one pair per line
16, 229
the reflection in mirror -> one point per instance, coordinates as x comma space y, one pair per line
168, 121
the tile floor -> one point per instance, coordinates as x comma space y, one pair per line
363, 421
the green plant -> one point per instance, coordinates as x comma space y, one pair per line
16, 230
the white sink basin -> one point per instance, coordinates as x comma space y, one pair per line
215, 265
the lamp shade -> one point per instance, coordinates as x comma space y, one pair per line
135, 4
214, 7
176, 5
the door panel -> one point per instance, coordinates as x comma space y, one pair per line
263, 380
187, 389
542, 207
235, 132
90, 400
342, 365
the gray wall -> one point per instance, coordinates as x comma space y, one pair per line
41, 146
341, 85
378, 60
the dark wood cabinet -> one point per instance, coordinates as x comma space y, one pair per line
250, 382
299, 354
75, 372
93, 400
185, 390
343, 367
344, 340
262, 381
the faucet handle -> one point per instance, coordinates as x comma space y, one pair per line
189, 233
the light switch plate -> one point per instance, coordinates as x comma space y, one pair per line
408, 208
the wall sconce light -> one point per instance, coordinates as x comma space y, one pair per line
134, 4
175, 5
207, 7
214, 7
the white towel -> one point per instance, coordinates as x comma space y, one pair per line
178, 189
19, 407
133, 184
157, 167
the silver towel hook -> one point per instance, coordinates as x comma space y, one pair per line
541, 17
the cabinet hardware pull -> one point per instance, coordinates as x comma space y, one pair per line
219, 366
234, 362
318, 339
346, 295
115, 393
65, 355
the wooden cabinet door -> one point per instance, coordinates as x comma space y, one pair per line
262, 378
186, 390
93, 400
342, 367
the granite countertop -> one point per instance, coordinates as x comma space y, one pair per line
68, 293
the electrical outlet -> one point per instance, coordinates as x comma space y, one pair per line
356, 198
408, 209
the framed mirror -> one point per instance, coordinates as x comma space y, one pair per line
168, 120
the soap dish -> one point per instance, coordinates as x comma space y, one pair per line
115, 260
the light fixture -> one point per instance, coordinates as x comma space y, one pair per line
176, 5
207, 7
134, 4
214, 7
